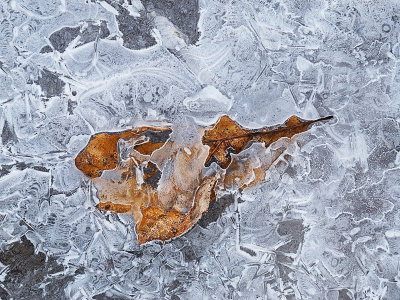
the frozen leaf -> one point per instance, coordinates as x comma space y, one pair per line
114, 207
157, 224
101, 152
229, 137
129, 187
249, 170
163, 182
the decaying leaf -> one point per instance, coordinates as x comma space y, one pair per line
114, 207
249, 169
229, 137
165, 183
158, 224
102, 152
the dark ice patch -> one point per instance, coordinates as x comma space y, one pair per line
2, 67
22, 166
63, 37
295, 230
50, 83
8, 135
4, 294
136, 253
283, 262
189, 254
155, 175
111, 295
212, 159
94, 31
46, 49
184, 14
215, 210
248, 251
157, 136
30, 275
136, 31
6, 169
345, 294
71, 106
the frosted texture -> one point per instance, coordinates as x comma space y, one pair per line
324, 225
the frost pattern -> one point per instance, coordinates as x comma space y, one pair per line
324, 225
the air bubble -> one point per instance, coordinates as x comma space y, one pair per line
386, 28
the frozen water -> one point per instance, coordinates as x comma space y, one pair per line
325, 224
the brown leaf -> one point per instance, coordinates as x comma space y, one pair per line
123, 188
157, 224
162, 209
114, 207
101, 152
162, 184
228, 137
247, 171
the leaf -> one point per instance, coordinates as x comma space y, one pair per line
101, 152
225, 137
114, 207
157, 224
162, 182
129, 187
249, 169
228, 137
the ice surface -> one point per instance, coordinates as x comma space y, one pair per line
325, 224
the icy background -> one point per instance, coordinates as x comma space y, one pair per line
324, 225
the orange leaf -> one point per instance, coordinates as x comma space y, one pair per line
228, 137
101, 152
162, 182
159, 225
114, 207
